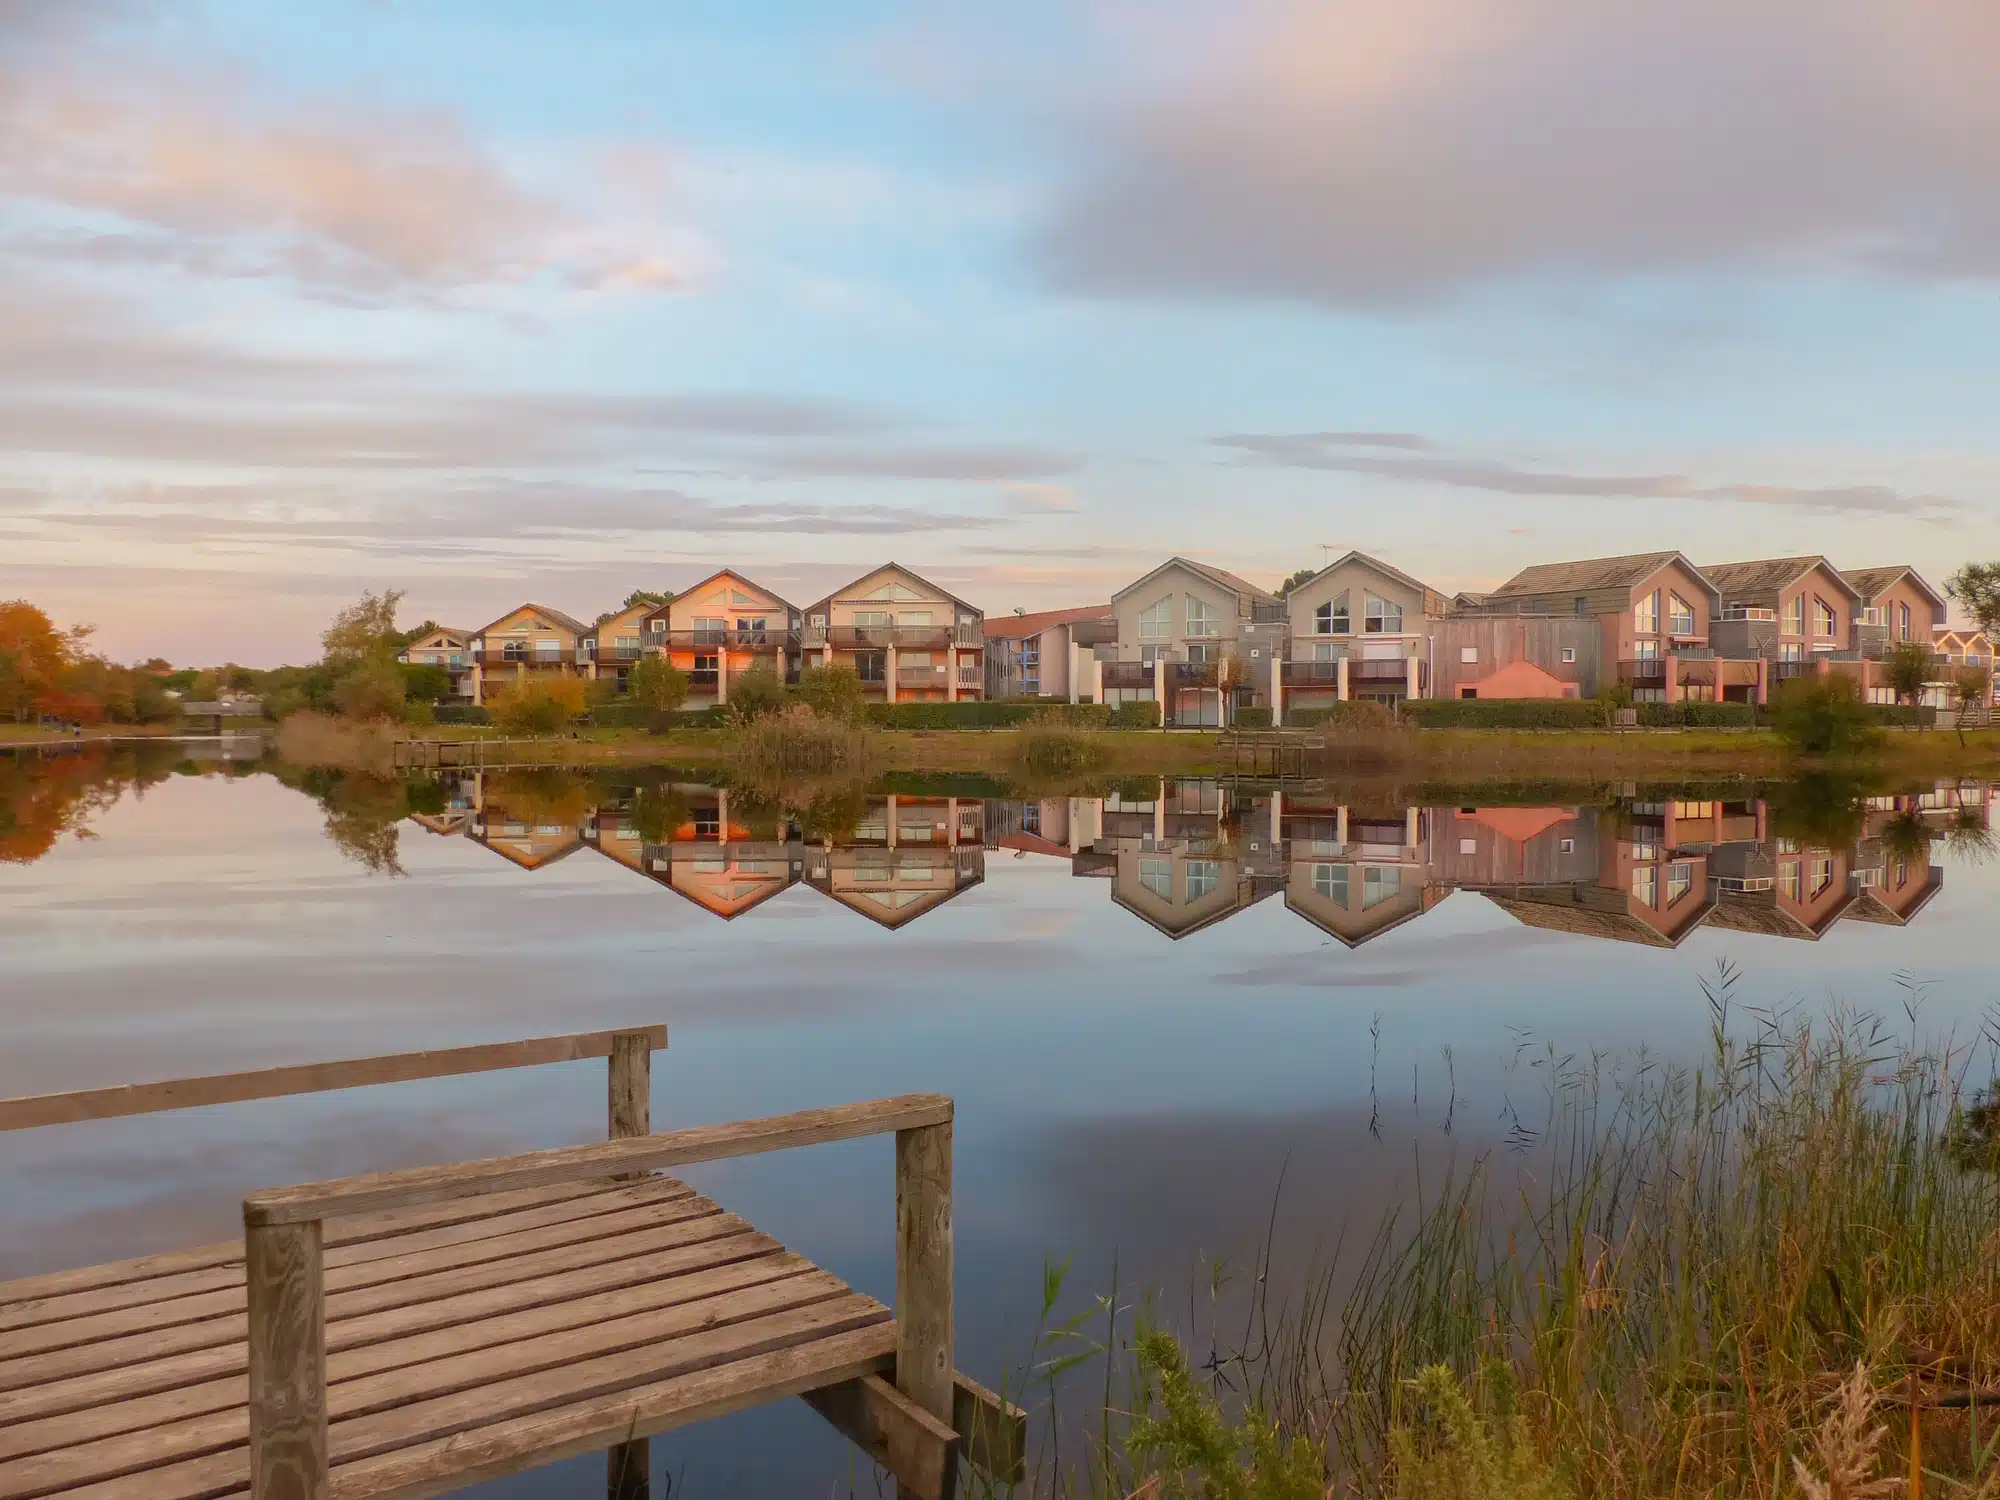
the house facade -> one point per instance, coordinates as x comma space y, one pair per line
906, 638
1050, 654
1358, 628
1798, 615
615, 645
1897, 605
529, 642
721, 628
450, 651
1196, 640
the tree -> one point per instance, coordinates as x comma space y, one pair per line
757, 692
1976, 587
364, 631
416, 633
833, 692
542, 705
424, 683
657, 684
1971, 692
373, 690
39, 655
1907, 669
645, 596
1822, 715
1302, 576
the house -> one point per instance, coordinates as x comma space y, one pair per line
1355, 873
1515, 656
719, 629
907, 639
448, 649
1897, 605
1652, 612
1195, 639
615, 644
1796, 614
1047, 654
1358, 628
1955, 649
530, 641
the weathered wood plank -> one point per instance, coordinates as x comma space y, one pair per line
110, 1353
422, 1471
286, 1416
924, 1267
385, 1190
995, 1432
310, 1078
374, 1341
570, 1209
94, 1421
628, 1466
914, 1447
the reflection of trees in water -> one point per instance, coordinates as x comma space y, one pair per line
361, 815
43, 797
1818, 811
656, 812
545, 796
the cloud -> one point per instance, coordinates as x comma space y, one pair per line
1390, 152
1327, 452
210, 173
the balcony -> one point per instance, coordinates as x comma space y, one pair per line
507, 658
716, 640
1194, 674
905, 637
1786, 671
1311, 674
1380, 669
920, 678
1128, 674
1646, 671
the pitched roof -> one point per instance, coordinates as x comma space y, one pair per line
1012, 627
963, 604
1367, 560
568, 622
740, 576
1873, 581
1587, 574
1221, 577
1769, 574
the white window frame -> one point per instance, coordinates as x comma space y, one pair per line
1204, 620
1156, 620
1379, 612
1333, 617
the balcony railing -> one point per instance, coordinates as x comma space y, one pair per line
716, 640
1128, 674
1645, 670
1785, 671
919, 637
1194, 674
565, 658
1311, 673
1378, 669
920, 677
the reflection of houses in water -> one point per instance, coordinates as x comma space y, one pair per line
1174, 855
1352, 873
908, 856
521, 834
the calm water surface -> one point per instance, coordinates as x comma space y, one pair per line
1148, 1004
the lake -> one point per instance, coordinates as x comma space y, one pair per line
1152, 1004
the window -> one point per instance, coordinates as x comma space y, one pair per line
738, 599
1903, 615
1680, 616
1791, 651
1569, 653
1156, 621
1788, 880
1202, 620
1203, 876
1326, 651
659, 627
1380, 883
1680, 880
1468, 692
1582, 607
628, 643
1646, 614
1468, 653
709, 630
1384, 617
548, 650
1874, 614
918, 617
751, 628
1795, 616
1157, 876
1646, 650
1823, 618
1330, 881
1646, 885
1201, 652
1822, 875
1565, 846
871, 666
864, 619
1468, 846
1331, 618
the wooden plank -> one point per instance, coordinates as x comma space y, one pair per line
914, 1447
412, 1293
87, 1420
383, 1190
994, 1432
608, 1198
628, 1466
425, 1470
287, 1385
377, 1413
356, 1338
924, 1267
169, 1312
310, 1078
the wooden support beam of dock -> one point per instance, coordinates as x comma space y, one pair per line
918, 1451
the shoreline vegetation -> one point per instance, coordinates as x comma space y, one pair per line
1770, 1274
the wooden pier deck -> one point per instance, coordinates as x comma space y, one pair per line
410, 1333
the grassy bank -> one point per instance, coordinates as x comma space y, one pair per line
19, 736
1712, 1282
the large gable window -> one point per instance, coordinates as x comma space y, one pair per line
1156, 621
1646, 614
1385, 617
1680, 616
1795, 615
1202, 618
1823, 618
1331, 618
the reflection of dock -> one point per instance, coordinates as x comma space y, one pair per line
417, 1332
490, 754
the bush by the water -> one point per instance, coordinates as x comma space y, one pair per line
1054, 744
757, 692
1822, 715
541, 705
1252, 717
832, 692
794, 740
1693, 715
981, 713
1505, 713
461, 713
1135, 714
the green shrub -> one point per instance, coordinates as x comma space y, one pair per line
424, 682
1697, 715
1054, 744
980, 713
758, 692
1902, 715
1505, 713
1141, 714
1253, 718
461, 713
832, 692
1822, 715
656, 685
373, 690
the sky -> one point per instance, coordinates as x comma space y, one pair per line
493, 302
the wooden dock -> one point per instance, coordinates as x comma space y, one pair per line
494, 755
1269, 754
414, 1332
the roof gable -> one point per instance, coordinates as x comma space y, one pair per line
1771, 575
552, 617
847, 591
1591, 573
686, 597
1220, 577
1871, 582
1013, 627
1375, 563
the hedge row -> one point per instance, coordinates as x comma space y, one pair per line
1903, 715
460, 713
1253, 718
654, 721
980, 713
1506, 713
1697, 715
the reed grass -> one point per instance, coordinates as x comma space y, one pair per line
796, 740
326, 741
1050, 745
1663, 1287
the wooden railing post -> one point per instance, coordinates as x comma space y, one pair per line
287, 1348
924, 1360
629, 1465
